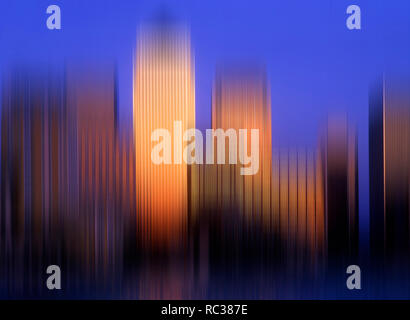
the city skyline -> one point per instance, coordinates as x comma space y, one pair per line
80, 188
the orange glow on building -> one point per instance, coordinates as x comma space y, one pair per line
164, 92
241, 100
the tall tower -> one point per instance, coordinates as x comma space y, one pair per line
164, 92
241, 100
35, 178
339, 151
94, 225
389, 155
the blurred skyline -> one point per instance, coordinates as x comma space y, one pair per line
315, 66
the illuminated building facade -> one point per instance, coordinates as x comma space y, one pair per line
241, 100
164, 92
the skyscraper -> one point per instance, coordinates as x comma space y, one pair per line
389, 160
339, 151
35, 176
96, 221
164, 92
241, 100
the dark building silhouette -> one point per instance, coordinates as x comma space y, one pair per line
35, 173
339, 150
389, 153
